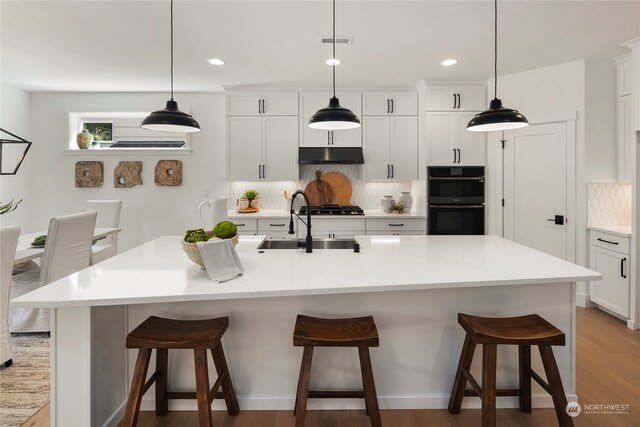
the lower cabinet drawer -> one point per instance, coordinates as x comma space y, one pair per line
355, 225
393, 224
395, 233
279, 224
610, 241
249, 226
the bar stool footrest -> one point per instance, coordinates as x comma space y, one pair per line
501, 392
331, 394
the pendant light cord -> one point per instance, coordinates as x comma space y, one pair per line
172, 50
495, 50
334, 48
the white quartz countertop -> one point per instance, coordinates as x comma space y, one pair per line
618, 230
281, 213
159, 271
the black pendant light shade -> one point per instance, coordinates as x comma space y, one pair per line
334, 117
497, 117
170, 119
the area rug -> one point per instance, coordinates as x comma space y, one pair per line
25, 385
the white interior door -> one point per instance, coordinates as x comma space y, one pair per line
535, 187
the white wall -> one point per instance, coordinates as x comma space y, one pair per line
543, 92
15, 117
148, 211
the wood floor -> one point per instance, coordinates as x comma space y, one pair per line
608, 372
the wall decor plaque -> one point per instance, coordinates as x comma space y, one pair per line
168, 173
89, 174
127, 174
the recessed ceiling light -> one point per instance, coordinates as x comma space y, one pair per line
216, 61
333, 61
449, 62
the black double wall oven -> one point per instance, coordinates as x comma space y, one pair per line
456, 200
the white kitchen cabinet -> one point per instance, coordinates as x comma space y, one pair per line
612, 292
397, 226
262, 148
333, 228
248, 227
390, 147
456, 98
624, 65
449, 143
262, 103
625, 138
311, 102
385, 103
276, 228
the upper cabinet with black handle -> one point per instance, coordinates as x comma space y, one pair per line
262, 103
456, 98
398, 103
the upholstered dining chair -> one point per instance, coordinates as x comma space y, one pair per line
8, 243
108, 217
66, 251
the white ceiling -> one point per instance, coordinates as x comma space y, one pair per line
123, 45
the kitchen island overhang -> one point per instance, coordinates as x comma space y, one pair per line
414, 286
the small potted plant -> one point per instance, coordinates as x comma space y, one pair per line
398, 207
253, 197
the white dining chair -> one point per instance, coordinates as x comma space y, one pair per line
8, 243
108, 217
67, 250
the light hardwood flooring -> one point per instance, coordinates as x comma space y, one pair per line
608, 372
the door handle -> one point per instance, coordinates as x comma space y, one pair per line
459, 155
623, 263
392, 106
332, 143
458, 101
392, 169
263, 109
455, 155
388, 107
276, 225
259, 171
557, 220
388, 172
259, 107
264, 173
607, 241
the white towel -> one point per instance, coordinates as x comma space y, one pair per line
220, 260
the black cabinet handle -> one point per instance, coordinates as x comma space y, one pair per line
602, 240
454, 100
388, 172
392, 171
259, 107
264, 173
276, 225
388, 107
259, 171
396, 225
454, 155
623, 261
332, 142
392, 106
458, 101
263, 109
459, 155
239, 225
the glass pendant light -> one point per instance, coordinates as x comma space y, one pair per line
334, 117
171, 119
497, 117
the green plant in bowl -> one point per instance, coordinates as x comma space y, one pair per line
251, 194
225, 230
197, 235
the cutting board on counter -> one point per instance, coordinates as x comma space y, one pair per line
331, 188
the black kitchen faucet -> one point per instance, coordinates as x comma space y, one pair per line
308, 245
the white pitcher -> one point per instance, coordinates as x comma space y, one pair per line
217, 211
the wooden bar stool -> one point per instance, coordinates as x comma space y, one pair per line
523, 331
164, 334
359, 332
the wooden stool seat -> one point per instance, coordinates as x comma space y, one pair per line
158, 332
526, 330
315, 331
523, 331
361, 332
163, 334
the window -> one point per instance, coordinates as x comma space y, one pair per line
102, 131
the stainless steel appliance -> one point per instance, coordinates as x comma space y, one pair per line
456, 200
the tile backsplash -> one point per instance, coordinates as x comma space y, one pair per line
609, 204
366, 194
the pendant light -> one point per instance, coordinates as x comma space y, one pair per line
334, 117
171, 119
497, 117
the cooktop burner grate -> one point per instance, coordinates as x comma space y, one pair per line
332, 210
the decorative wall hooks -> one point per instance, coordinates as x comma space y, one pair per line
168, 173
89, 174
7, 142
127, 174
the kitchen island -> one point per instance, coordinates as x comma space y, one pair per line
414, 286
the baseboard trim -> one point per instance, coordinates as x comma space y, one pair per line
117, 416
285, 403
584, 300
631, 324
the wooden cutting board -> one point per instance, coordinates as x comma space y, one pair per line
341, 187
319, 191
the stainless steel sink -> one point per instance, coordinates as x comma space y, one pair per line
317, 244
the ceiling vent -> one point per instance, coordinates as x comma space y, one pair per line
339, 40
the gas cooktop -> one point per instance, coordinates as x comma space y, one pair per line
332, 210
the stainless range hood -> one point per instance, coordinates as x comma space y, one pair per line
330, 155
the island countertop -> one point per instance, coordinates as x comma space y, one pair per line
159, 271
